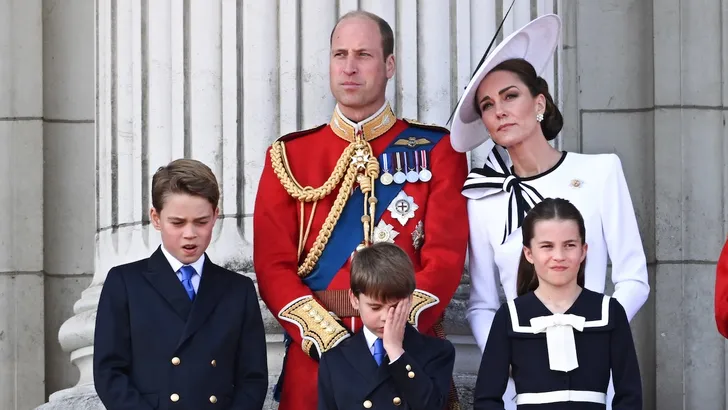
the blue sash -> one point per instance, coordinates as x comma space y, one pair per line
348, 232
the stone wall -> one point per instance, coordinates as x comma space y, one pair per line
640, 78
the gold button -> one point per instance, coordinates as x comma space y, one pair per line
174, 397
397, 401
411, 375
213, 363
213, 399
408, 367
367, 404
175, 361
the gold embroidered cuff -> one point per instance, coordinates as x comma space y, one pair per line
421, 300
319, 329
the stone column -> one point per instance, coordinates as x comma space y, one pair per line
608, 93
68, 172
164, 90
219, 81
22, 360
691, 153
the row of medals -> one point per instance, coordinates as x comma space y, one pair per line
417, 173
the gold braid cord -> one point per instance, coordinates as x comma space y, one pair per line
356, 164
366, 183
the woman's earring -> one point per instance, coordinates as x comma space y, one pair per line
539, 117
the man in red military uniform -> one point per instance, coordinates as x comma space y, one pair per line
721, 292
364, 177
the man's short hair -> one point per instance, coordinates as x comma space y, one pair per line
385, 30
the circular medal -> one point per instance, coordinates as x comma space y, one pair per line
386, 178
413, 177
399, 177
425, 175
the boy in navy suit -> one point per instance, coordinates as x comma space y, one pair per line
388, 364
176, 331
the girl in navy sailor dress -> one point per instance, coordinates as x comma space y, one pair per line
558, 340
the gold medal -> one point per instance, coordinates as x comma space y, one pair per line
386, 178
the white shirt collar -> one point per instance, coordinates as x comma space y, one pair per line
370, 337
176, 264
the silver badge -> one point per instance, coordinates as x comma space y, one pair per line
418, 235
425, 175
360, 159
399, 176
384, 232
413, 177
402, 207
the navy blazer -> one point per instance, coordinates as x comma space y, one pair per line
156, 349
419, 380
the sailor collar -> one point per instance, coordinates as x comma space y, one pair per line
559, 329
374, 126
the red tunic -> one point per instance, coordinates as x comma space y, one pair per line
438, 262
721, 292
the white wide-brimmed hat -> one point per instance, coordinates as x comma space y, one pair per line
535, 42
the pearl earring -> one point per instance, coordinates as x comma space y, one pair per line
539, 117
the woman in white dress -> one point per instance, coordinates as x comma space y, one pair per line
514, 105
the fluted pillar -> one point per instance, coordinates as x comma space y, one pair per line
219, 81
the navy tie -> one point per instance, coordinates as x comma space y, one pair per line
187, 273
378, 352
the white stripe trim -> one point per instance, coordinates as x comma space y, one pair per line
515, 324
605, 315
562, 396
517, 328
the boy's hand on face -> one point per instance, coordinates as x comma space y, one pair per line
394, 328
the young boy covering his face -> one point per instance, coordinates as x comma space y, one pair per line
388, 364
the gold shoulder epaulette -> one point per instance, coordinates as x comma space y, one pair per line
293, 135
433, 127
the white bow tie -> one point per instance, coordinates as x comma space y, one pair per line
559, 330
496, 177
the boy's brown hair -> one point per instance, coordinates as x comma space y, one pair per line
383, 272
184, 176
